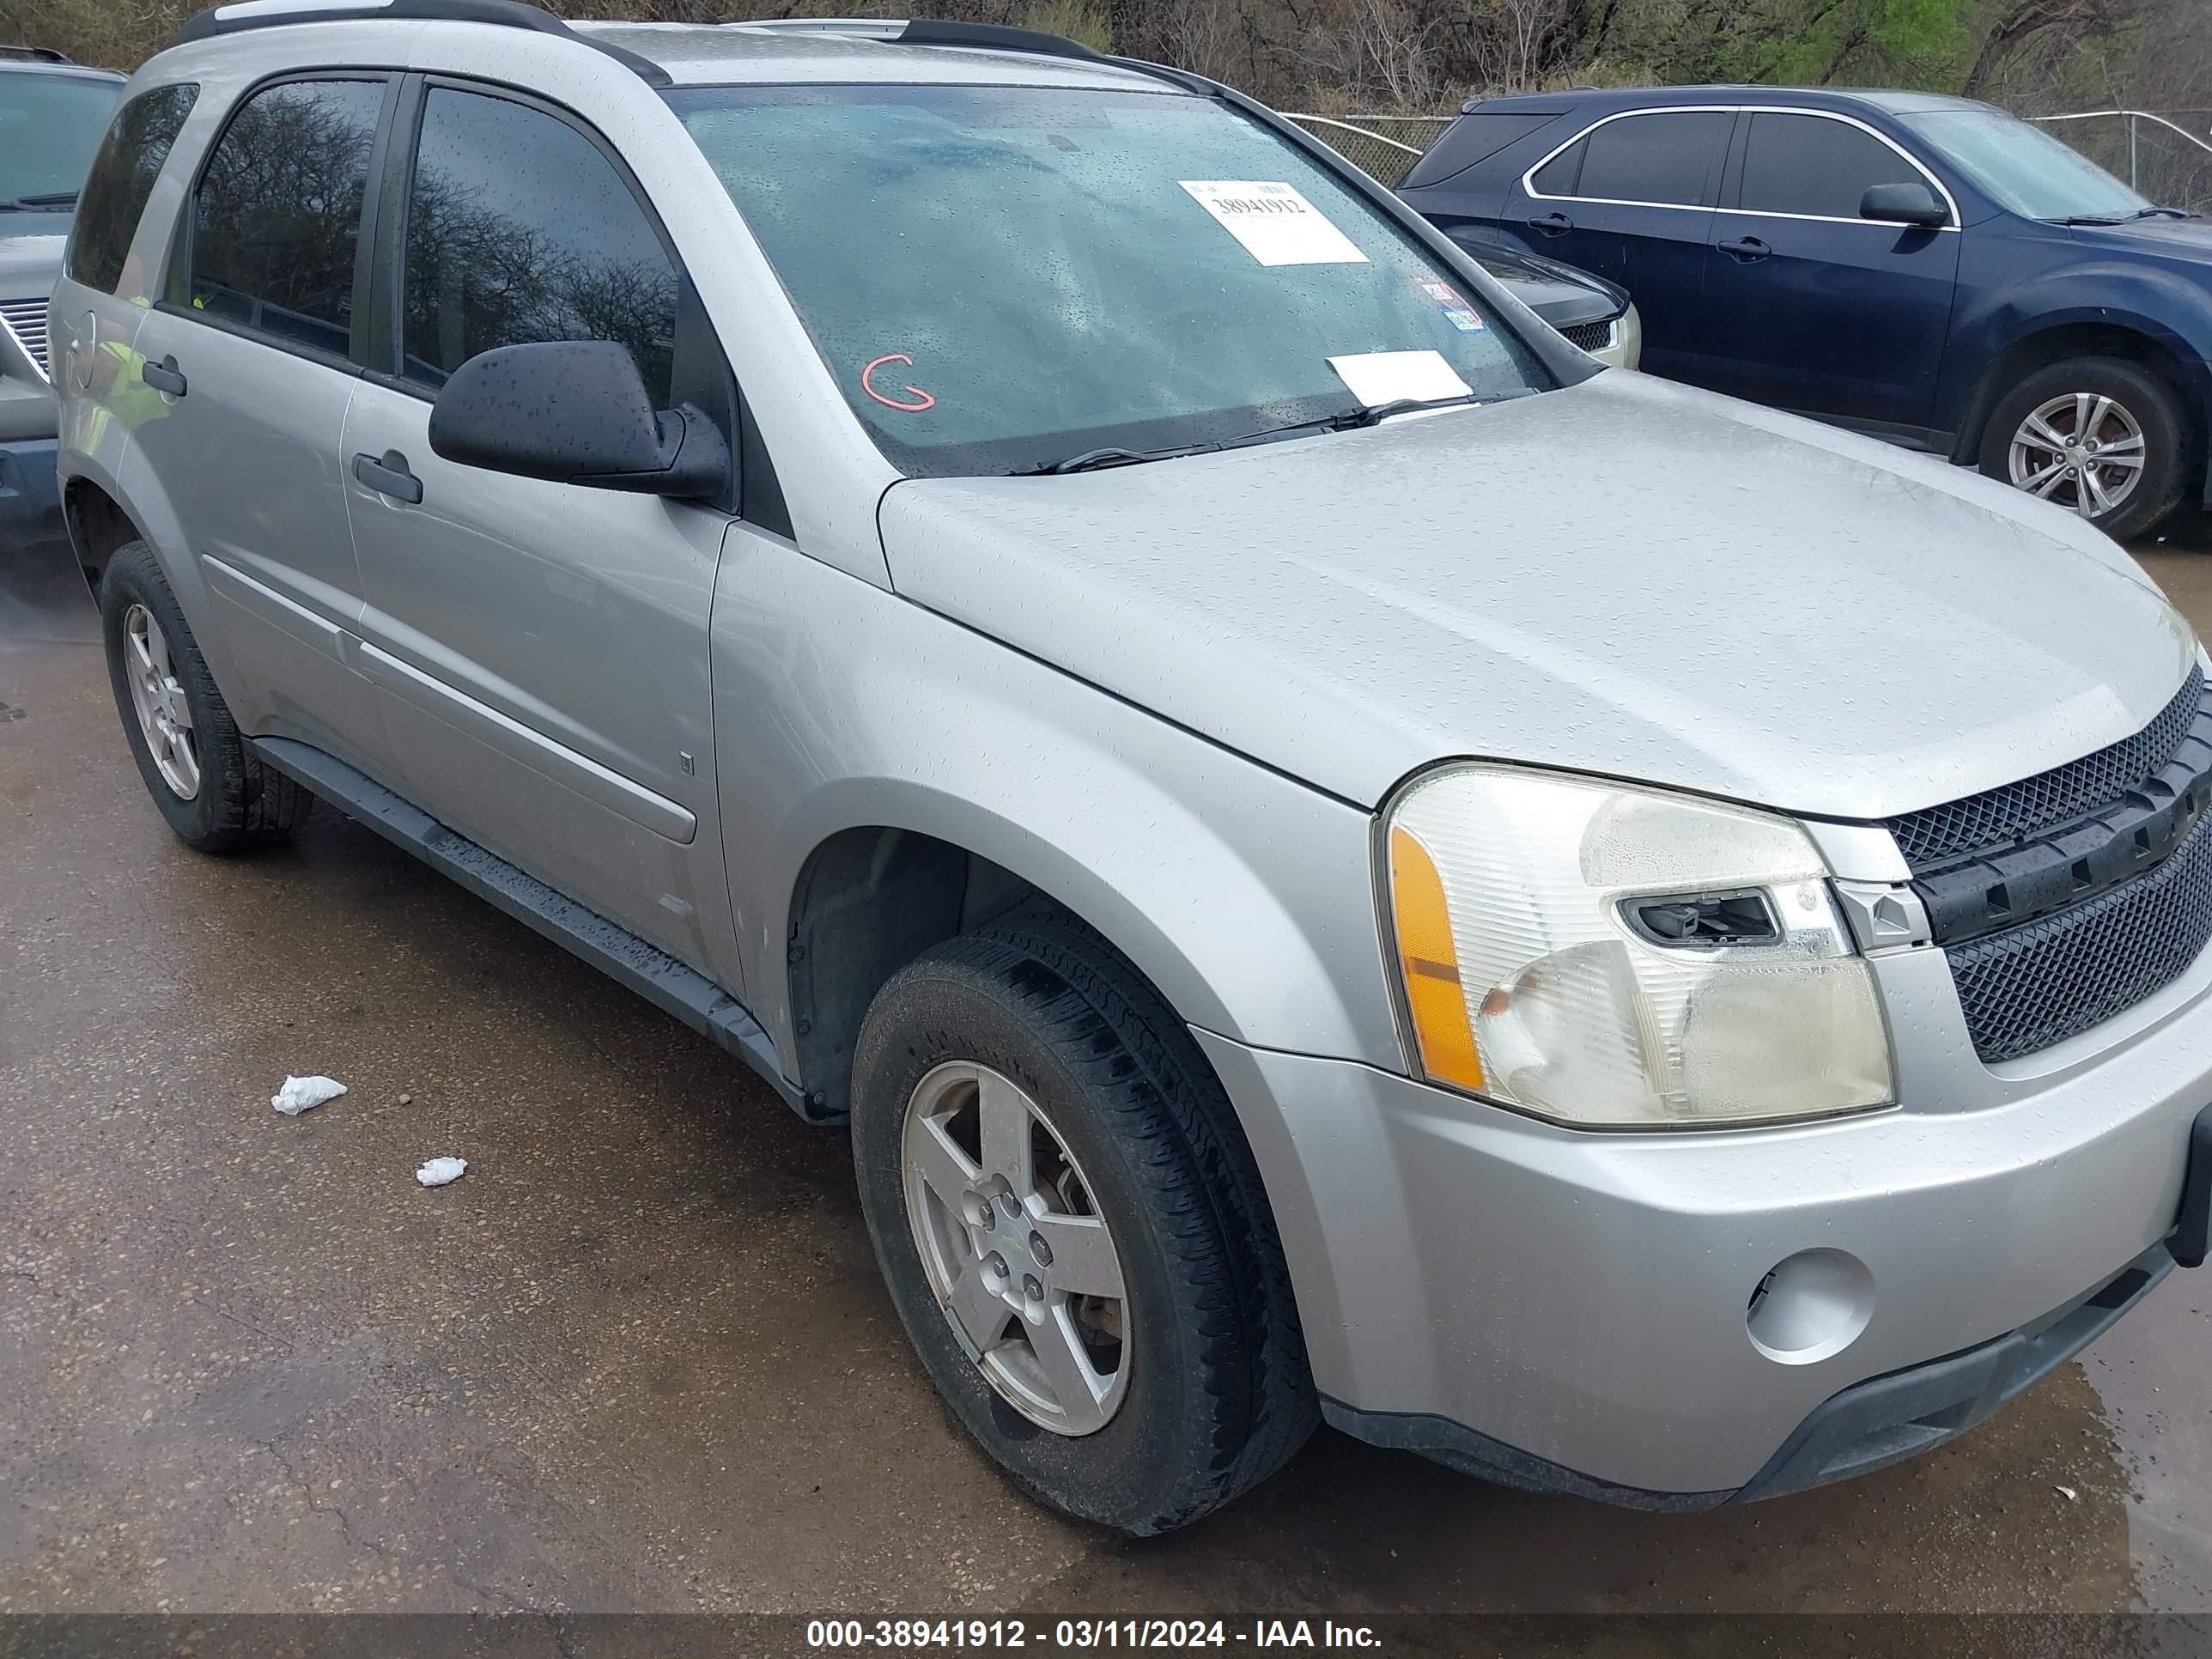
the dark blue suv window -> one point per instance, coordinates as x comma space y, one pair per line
1810, 164
1663, 159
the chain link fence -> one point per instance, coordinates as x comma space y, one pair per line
1383, 146
2166, 155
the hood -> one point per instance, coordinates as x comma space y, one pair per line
1624, 577
2179, 239
31, 247
1559, 300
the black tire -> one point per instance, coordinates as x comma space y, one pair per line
2170, 439
240, 803
1219, 1395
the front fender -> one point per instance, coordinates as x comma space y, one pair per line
1246, 897
2162, 306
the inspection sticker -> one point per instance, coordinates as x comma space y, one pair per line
1276, 225
1446, 298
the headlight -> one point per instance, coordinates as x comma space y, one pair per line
1617, 958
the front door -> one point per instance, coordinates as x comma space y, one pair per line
1630, 200
250, 350
1828, 313
539, 649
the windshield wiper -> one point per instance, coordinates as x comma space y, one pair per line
57, 199
1093, 461
1351, 419
2124, 219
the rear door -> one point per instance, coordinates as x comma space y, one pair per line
1631, 200
1826, 312
249, 353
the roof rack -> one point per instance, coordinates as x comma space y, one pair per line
33, 55
243, 14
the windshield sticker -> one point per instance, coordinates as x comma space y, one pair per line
1276, 224
1383, 377
924, 400
1446, 298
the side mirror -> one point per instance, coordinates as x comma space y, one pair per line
1904, 204
574, 412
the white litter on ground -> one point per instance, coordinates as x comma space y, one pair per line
2068, 1492
304, 1093
441, 1171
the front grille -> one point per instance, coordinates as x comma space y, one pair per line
27, 320
1590, 337
2034, 986
2037, 805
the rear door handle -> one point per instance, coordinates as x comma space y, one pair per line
164, 376
1746, 250
389, 476
1552, 224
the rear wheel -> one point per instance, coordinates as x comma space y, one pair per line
204, 776
2103, 437
1072, 1230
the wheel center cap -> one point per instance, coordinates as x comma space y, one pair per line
1005, 1248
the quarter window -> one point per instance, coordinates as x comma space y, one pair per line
276, 220
520, 230
131, 158
1663, 159
1807, 164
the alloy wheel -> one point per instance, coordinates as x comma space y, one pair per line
1018, 1256
164, 718
2084, 450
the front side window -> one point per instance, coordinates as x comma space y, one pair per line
1807, 164
276, 223
1663, 160
519, 230
122, 178
2024, 167
1002, 277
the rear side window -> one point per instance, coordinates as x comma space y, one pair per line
1475, 136
519, 230
1807, 164
276, 223
1663, 159
131, 158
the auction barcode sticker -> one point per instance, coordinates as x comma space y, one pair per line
1276, 225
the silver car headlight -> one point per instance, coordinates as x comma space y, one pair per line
1612, 956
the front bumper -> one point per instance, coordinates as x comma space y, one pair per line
1569, 1310
30, 498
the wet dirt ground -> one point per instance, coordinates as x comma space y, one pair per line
638, 1359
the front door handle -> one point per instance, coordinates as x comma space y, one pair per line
389, 476
1746, 250
1552, 224
164, 376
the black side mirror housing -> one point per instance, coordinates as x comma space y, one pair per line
1904, 204
575, 411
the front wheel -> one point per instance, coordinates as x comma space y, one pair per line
1072, 1230
2103, 437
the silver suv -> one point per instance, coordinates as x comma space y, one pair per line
1340, 861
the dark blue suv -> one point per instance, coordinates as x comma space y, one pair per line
1928, 270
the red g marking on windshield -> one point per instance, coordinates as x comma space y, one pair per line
927, 402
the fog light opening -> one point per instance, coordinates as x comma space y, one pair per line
1810, 1307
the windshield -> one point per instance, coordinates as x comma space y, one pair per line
50, 126
2023, 167
1002, 277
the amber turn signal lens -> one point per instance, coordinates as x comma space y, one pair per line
1429, 964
